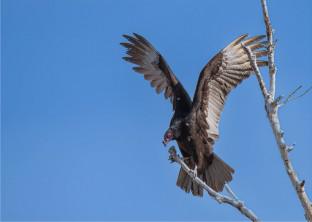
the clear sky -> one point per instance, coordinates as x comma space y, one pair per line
81, 132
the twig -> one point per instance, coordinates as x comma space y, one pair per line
230, 191
253, 63
292, 94
235, 202
271, 46
292, 97
272, 113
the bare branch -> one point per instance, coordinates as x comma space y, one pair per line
272, 113
253, 62
235, 202
231, 192
292, 97
304, 93
271, 47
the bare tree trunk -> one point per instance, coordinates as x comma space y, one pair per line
272, 105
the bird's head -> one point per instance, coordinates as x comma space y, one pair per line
169, 135
174, 132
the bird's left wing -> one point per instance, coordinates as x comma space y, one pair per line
154, 68
223, 73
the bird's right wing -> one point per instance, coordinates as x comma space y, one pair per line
219, 77
154, 68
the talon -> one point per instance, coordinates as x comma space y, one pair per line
194, 172
186, 158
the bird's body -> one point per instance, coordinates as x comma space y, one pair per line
194, 124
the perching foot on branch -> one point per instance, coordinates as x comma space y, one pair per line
233, 200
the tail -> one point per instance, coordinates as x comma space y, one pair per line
185, 182
216, 174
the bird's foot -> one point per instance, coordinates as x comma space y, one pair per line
194, 172
186, 158
173, 154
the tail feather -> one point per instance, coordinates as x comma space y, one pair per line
185, 183
216, 174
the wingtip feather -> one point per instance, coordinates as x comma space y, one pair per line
137, 35
251, 40
236, 41
125, 58
125, 44
126, 36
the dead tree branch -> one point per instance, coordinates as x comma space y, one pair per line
271, 47
233, 201
253, 62
272, 106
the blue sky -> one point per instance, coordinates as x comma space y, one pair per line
81, 132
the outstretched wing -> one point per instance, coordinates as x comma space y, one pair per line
154, 68
223, 73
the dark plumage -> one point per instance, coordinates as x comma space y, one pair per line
194, 125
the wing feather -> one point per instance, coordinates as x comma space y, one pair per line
219, 77
154, 68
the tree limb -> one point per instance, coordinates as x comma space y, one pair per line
272, 106
234, 201
253, 63
269, 33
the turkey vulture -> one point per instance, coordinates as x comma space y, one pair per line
194, 124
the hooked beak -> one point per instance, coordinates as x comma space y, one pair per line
165, 141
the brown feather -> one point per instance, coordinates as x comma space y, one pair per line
154, 67
253, 39
261, 53
225, 71
218, 78
236, 41
262, 63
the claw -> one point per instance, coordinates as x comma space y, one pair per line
186, 158
194, 172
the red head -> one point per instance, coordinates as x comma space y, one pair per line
168, 136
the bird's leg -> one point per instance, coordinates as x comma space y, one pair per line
194, 171
186, 158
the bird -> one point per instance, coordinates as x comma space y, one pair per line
195, 122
